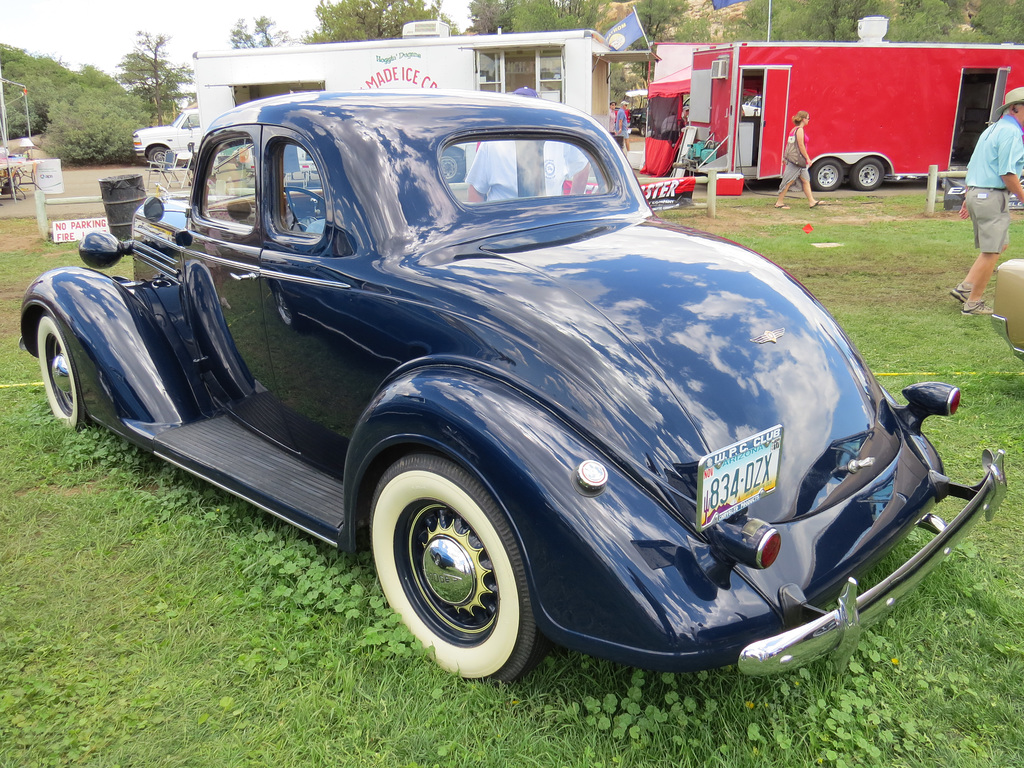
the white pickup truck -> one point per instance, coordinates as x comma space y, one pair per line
177, 136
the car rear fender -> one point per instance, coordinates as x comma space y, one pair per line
611, 574
131, 380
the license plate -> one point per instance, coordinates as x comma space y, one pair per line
734, 477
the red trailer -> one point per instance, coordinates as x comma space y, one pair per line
877, 109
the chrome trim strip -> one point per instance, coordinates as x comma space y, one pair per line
247, 250
285, 277
243, 497
1000, 323
270, 261
155, 257
832, 633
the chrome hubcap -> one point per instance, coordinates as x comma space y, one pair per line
449, 570
59, 373
452, 572
453, 567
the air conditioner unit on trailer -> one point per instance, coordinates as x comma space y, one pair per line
720, 69
430, 28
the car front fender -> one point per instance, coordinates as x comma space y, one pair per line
129, 374
612, 574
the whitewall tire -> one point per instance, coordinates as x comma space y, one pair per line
60, 376
450, 566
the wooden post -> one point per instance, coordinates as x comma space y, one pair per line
41, 223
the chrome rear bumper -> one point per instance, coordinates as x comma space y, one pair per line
838, 631
1000, 323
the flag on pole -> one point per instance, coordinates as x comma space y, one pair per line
625, 33
720, 4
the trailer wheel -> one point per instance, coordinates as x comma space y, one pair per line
867, 174
826, 174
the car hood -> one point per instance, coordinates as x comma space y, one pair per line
668, 344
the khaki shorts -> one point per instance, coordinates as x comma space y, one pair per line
792, 173
990, 214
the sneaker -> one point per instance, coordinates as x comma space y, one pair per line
961, 293
975, 308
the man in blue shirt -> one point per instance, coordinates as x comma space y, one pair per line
992, 174
621, 126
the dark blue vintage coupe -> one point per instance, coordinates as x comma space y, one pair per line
448, 327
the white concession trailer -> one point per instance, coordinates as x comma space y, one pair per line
570, 67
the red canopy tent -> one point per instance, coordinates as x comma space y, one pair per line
674, 84
665, 97
664, 120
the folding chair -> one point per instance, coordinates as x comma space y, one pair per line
186, 167
154, 166
172, 172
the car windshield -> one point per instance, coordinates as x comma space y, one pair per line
495, 170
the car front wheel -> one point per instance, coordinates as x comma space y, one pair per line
60, 376
450, 566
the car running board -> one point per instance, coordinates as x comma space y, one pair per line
226, 454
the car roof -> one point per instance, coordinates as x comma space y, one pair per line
389, 143
429, 103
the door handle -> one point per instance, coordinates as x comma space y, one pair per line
246, 276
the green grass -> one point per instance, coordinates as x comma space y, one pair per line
149, 620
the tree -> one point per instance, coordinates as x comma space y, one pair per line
1001, 21
659, 18
547, 15
491, 15
370, 19
93, 131
46, 80
819, 20
49, 83
921, 21
147, 73
262, 36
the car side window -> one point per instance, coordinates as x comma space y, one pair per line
230, 188
299, 204
524, 168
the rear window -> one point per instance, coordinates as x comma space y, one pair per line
491, 171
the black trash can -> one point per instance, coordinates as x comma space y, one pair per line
953, 194
122, 196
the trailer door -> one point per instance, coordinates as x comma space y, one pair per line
981, 93
774, 122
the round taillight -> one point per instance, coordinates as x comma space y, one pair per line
768, 548
954, 401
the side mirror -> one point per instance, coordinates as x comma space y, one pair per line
101, 250
153, 209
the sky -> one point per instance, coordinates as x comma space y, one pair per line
101, 32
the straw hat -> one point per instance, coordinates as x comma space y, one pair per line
1016, 96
